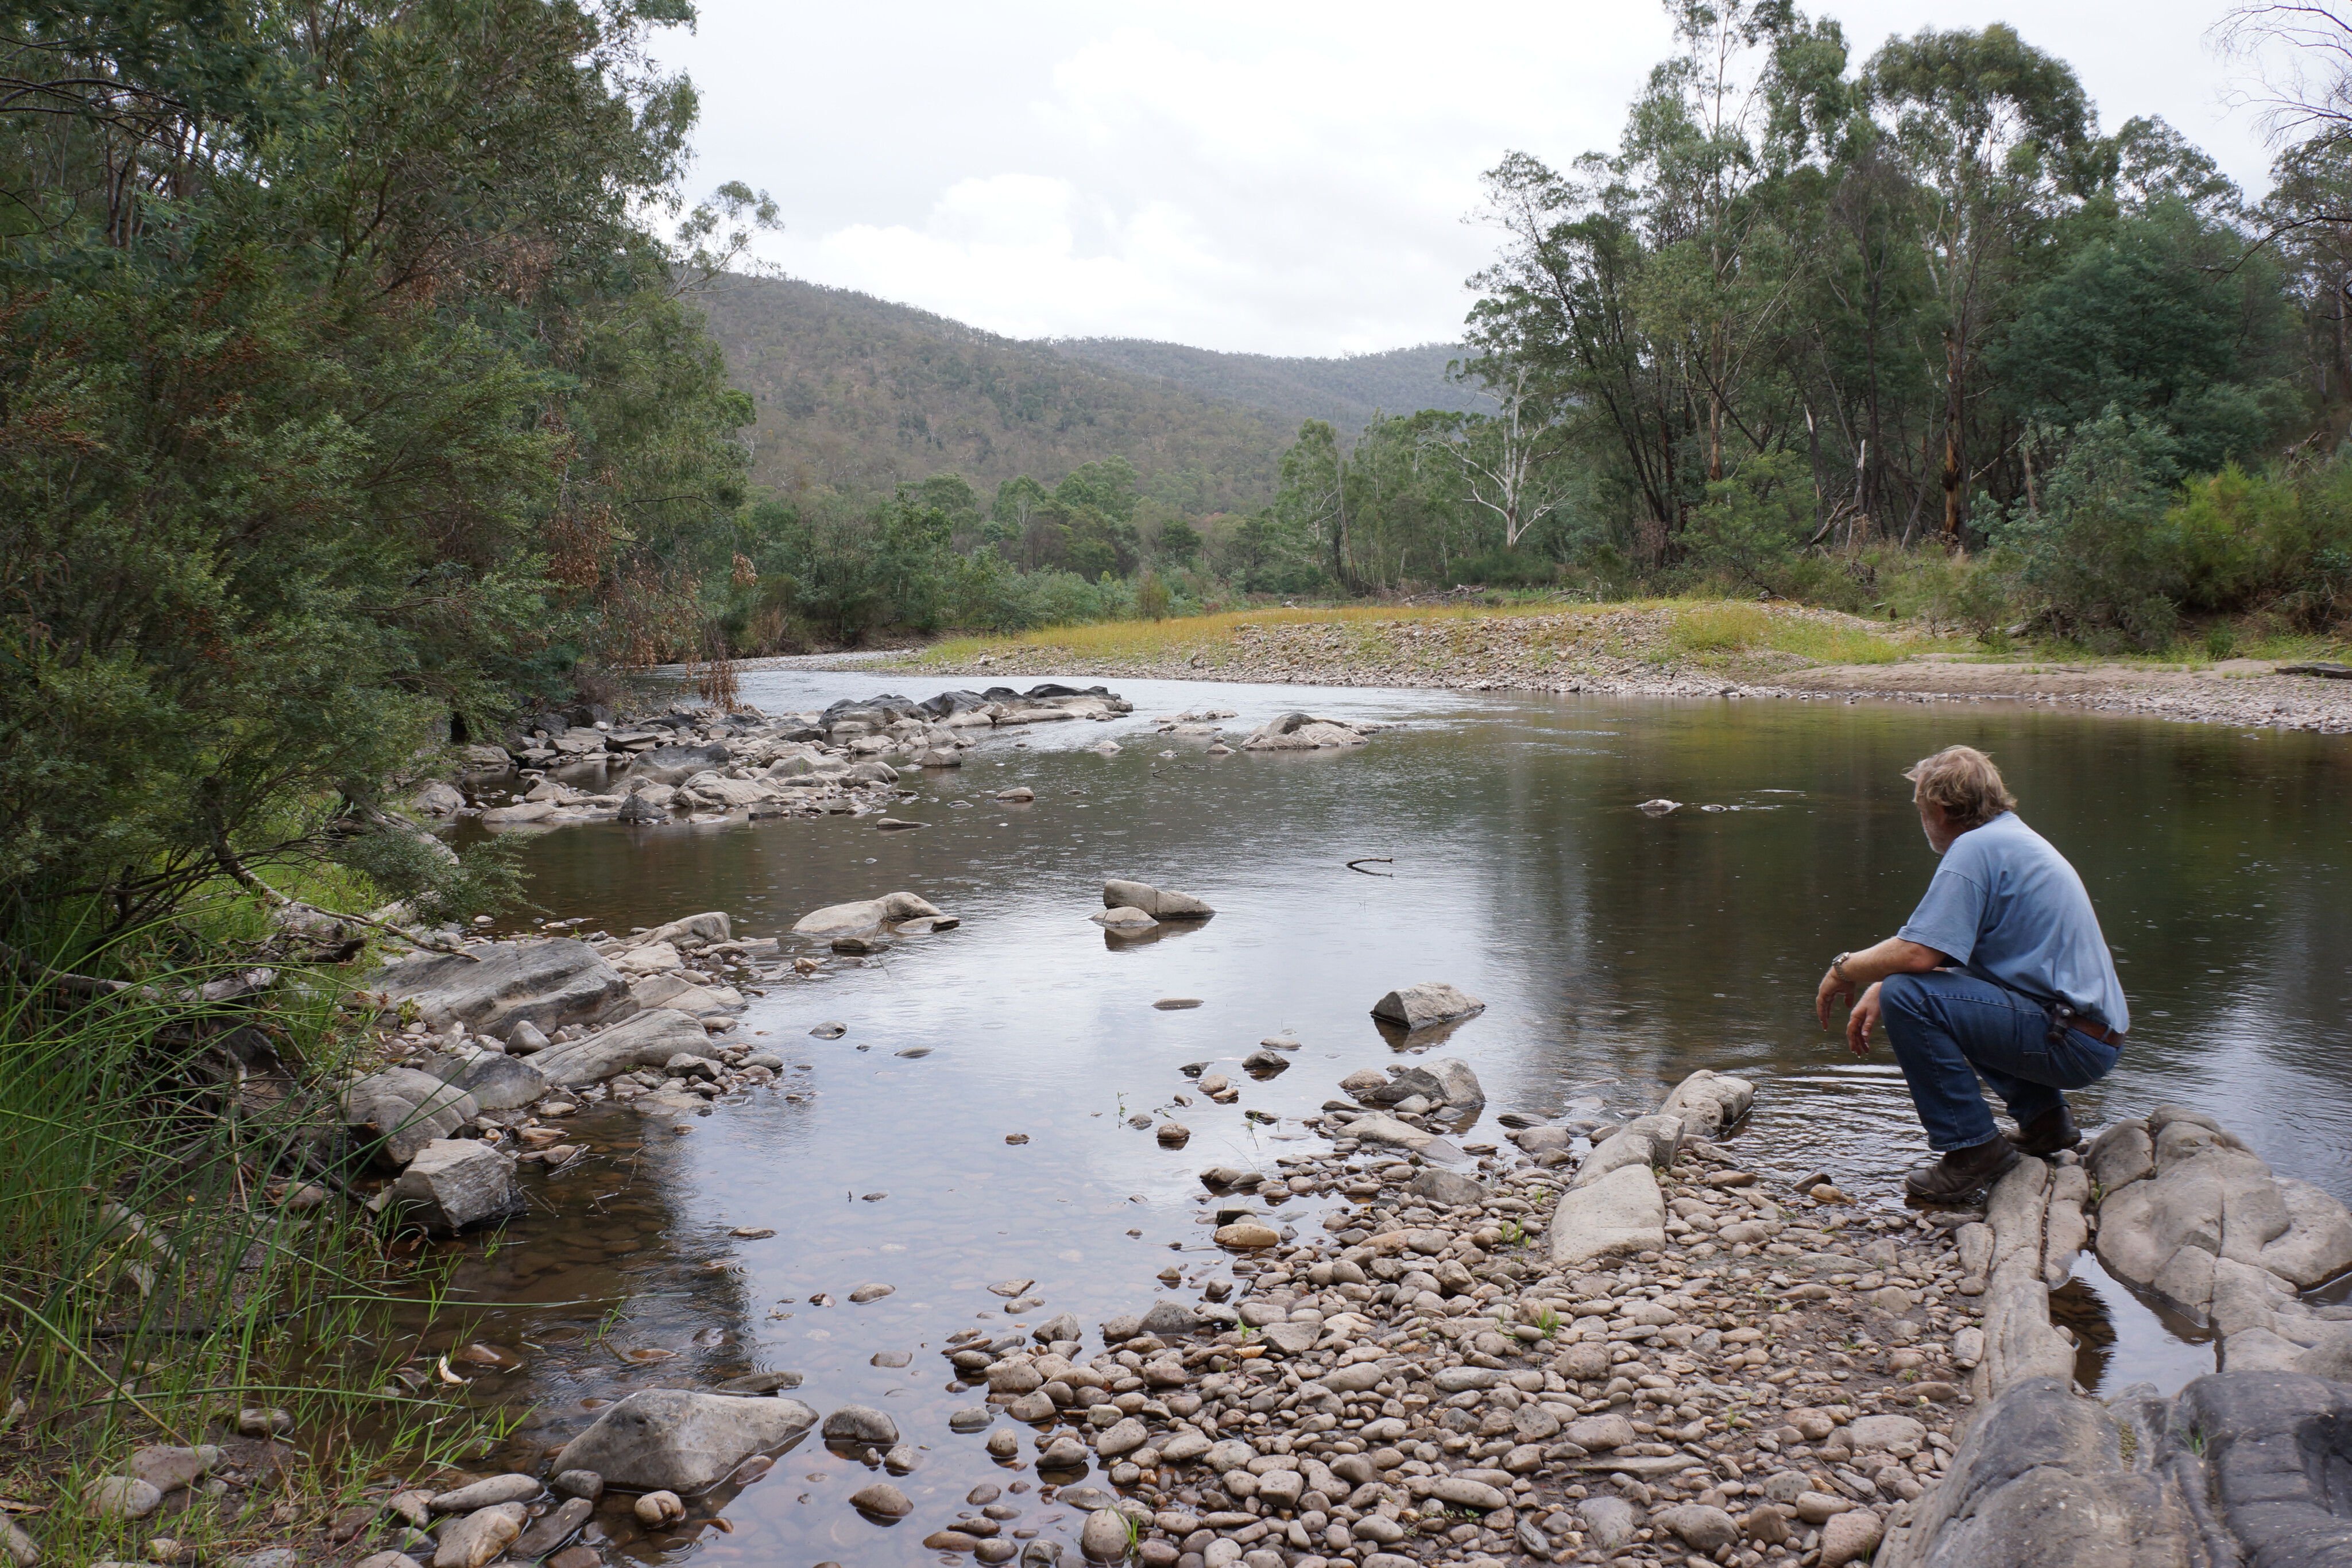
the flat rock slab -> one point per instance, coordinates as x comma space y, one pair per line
548, 983
864, 915
1622, 1213
649, 1040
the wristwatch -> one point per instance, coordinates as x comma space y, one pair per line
1837, 967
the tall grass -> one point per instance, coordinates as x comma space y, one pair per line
1735, 629
176, 1241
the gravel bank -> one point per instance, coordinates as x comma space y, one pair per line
1638, 652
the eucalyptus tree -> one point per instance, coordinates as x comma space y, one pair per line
1639, 298
1996, 137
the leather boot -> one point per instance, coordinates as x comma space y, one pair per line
2048, 1132
1963, 1173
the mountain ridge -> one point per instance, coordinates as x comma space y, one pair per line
855, 394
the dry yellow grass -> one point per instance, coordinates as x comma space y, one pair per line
1701, 632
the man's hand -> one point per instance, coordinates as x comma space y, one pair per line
1893, 957
1860, 1021
1832, 989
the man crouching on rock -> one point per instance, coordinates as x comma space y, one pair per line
2000, 971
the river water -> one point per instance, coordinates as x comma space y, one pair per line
1615, 952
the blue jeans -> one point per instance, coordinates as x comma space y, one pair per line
1948, 1027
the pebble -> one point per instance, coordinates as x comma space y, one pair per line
122, 1497
658, 1508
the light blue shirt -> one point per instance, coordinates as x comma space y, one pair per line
2006, 907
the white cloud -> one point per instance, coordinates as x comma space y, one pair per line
1281, 179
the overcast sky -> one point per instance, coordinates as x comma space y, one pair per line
1287, 177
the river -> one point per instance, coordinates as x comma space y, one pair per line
1615, 952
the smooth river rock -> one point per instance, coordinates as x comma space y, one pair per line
1623, 1212
1425, 1005
401, 1110
864, 915
677, 1441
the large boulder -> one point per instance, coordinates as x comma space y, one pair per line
671, 990
2230, 1470
674, 1439
2208, 1198
1424, 1006
547, 984
866, 914
1623, 1212
455, 1182
401, 1110
648, 1040
1655, 1140
1160, 904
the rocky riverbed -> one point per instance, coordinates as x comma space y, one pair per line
1632, 651
1595, 1339
706, 765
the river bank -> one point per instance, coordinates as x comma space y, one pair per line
1594, 1339
1768, 651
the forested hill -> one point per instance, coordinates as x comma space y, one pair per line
1347, 392
856, 394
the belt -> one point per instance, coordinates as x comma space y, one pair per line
2097, 1031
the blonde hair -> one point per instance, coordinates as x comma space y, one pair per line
1964, 783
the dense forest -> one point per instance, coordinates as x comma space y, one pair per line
854, 395
1349, 391
345, 389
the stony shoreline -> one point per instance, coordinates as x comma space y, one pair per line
1630, 652
1591, 1342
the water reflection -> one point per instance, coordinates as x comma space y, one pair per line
1616, 952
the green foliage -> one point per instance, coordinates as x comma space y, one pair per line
2152, 319
344, 391
1753, 524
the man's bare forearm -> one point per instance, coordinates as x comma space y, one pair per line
1893, 957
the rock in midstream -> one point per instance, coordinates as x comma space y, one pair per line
1424, 1006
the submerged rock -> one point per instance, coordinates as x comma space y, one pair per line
1301, 732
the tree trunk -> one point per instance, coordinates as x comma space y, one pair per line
1953, 471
